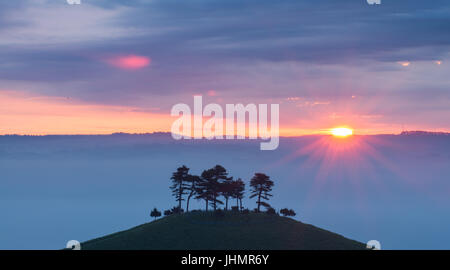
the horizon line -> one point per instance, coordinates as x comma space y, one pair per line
405, 132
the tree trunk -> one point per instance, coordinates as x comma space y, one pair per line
240, 201
226, 203
206, 205
259, 200
187, 206
180, 196
190, 196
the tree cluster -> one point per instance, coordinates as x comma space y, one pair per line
215, 187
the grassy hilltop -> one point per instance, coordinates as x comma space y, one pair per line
228, 230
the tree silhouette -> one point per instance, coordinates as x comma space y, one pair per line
211, 185
261, 188
271, 211
287, 213
176, 210
284, 212
238, 192
155, 213
194, 181
220, 183
214, 183
203, 191
179, 184
227, 190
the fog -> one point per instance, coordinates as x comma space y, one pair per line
390, 188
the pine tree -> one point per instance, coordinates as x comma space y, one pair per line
212, 186
179, 184
261, 188
194, 181
238, 192
203, 191
227, 190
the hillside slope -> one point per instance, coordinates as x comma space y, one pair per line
232, 231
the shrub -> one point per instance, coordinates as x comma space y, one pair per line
219, 213
271, 211
234, 208
287, 212
155, 213
246, 211
177, 210
167, 213
284, 212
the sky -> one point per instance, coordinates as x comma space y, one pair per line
120, 66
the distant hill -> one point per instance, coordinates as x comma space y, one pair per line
230, 231
423, 133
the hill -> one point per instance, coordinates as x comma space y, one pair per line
230, 231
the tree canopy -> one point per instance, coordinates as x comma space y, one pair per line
261, 187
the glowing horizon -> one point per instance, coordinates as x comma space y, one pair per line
22, 113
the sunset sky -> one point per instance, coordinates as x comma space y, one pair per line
119, 66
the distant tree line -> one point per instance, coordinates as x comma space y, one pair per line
215, 187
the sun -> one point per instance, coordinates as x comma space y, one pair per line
341, 132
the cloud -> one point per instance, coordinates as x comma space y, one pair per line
211, 93
37, 24
246, 50
131, 62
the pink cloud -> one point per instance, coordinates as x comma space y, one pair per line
212, 93
405, 63
131, 62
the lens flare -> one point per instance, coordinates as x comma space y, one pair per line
341, 132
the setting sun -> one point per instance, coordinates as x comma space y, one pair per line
341, 132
